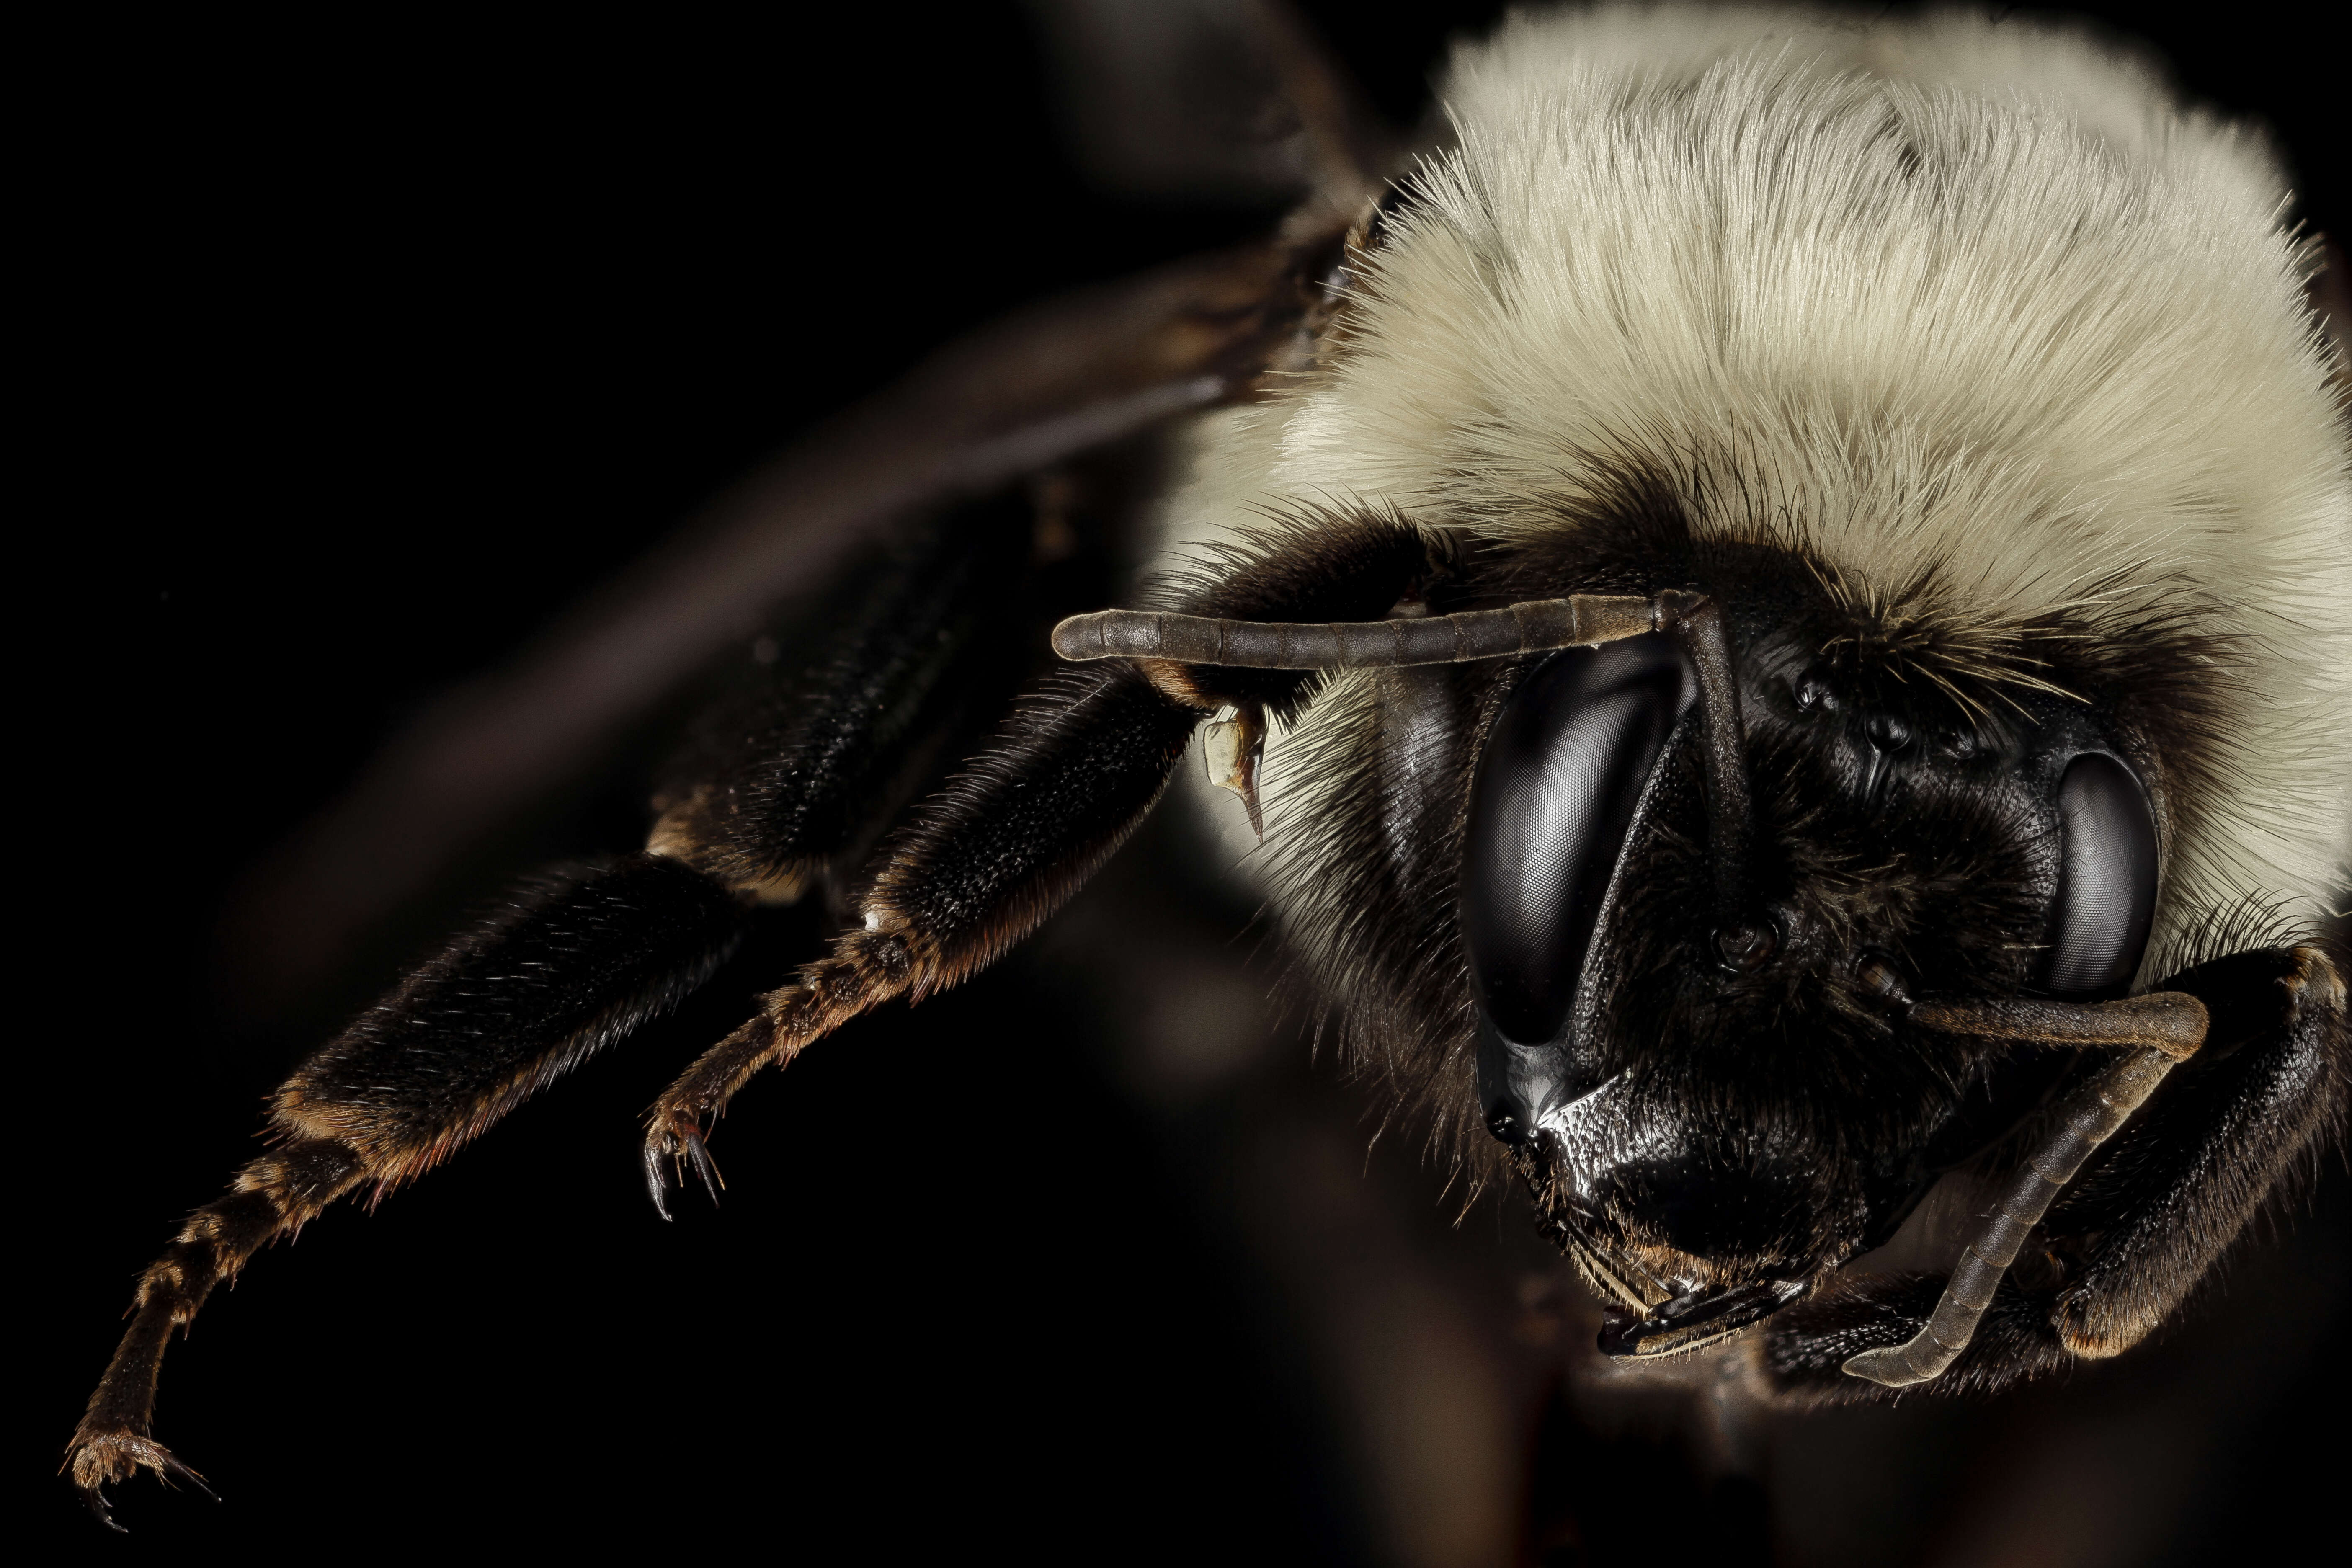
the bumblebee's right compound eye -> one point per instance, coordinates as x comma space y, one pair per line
1562, 771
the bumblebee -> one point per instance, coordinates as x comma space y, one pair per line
1776, 590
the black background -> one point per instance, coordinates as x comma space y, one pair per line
367, 345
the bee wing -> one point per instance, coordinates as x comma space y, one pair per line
1036, 387
1227, 100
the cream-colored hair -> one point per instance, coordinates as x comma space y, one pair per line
1949, 290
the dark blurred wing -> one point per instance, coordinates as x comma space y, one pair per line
1030, 391
1224, 99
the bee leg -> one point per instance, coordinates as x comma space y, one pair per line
580, 961
2132, 1234
1013, 836
1060, 787
271, 1196
790, 781
1803, 1351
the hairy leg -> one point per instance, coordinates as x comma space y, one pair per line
576, 963
790, 779
1016, 833
796, 772
1063, 782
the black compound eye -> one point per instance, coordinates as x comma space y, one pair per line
1562, 770
2106, 879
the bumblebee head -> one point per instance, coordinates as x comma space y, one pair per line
1699, 913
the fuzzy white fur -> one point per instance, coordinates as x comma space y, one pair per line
1936, 289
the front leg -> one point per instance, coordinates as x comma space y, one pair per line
2123, 1247
1067, 777
1010, 838
2134, 1233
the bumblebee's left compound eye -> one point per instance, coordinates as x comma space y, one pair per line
2106, 879
1562, 771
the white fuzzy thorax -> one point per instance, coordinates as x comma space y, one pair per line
1943, 289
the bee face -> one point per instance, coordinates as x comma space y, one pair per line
1708, 1103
